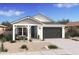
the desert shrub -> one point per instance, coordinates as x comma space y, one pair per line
21, 37
2, 39
24, 47
75, 39
67, 35
30, 40
72, 32
8, 37
1, 36
5, 50
52, 47
12, 41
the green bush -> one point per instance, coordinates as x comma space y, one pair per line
72, 32
52, 47
8, 37
24, 47
1, 36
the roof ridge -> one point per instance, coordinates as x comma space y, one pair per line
27, 17
36, 20
44, 16
20, 19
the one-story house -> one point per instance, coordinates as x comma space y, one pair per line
72, 24
2, 29
39, 27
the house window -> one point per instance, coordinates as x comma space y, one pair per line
19, 31
24, 31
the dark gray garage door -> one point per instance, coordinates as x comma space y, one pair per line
52, 32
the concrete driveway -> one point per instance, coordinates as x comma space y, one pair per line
69, 46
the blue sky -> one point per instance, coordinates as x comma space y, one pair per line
10, 12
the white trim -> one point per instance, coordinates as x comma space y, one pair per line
13, 33
28, 33
27, 24
45, 25
41, 33
20, 20
22, 31
63, 32
28, 17
54, 25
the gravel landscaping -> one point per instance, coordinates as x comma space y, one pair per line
65, 47
20, 46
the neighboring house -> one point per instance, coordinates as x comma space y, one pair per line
2, 29
39, 27
72, 24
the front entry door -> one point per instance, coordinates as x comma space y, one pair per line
34, 31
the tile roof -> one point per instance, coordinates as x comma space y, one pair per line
3, 26
72, 24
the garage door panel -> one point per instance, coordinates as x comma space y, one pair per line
52, 32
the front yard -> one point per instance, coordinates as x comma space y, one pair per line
19, 46
65, 47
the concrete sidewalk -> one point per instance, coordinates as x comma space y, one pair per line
49, 52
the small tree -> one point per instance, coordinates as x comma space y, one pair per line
8, 30
63, 21
2, 39
8, 24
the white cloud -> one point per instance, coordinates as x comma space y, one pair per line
11, 12
66, 5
